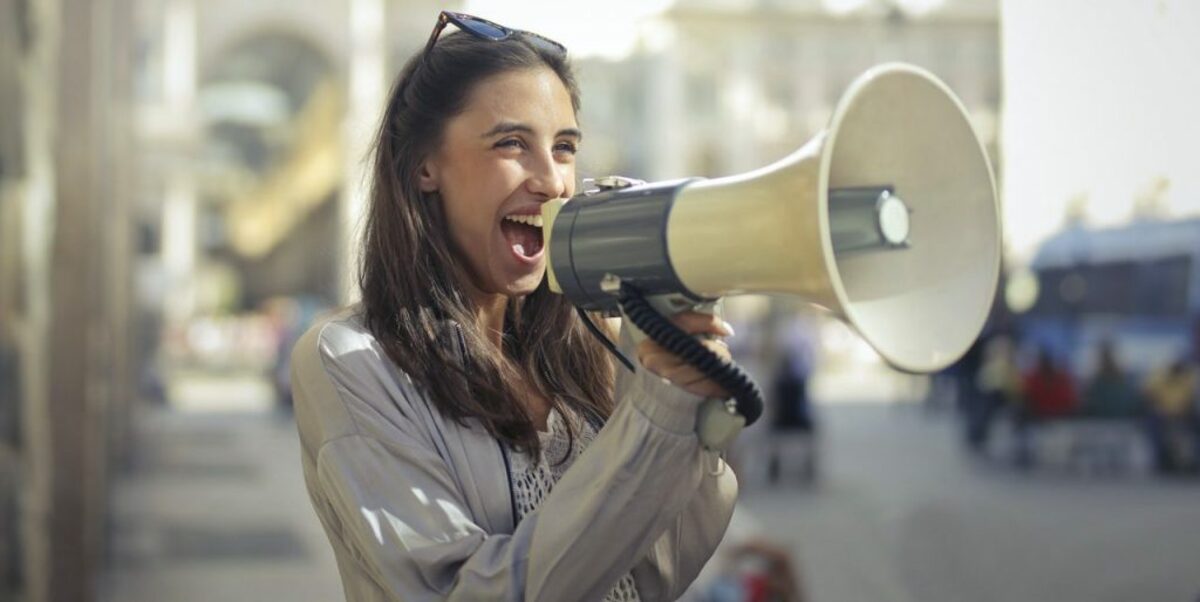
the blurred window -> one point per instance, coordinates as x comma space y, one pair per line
1058, 296
1156, 288
1163, 285
701, 95
1109, 288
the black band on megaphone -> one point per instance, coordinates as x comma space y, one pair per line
620, 232
730, 376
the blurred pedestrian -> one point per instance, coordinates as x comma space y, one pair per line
966, 370
283, 316
1047, 392
1110, 393
1048, 389
999, 385
792, 419
772, 576
756, 570
1170, 395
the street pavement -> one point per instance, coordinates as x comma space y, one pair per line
215, 509
901, 514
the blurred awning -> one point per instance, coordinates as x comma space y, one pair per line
257, 220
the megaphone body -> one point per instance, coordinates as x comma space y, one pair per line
888, 219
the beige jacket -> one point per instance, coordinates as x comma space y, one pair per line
418, 507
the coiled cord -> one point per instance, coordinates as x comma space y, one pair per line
746, 394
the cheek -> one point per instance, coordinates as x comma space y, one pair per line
568, 176
470, 218
466, 223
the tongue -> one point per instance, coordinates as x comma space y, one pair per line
525, 240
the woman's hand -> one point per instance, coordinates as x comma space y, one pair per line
667, 365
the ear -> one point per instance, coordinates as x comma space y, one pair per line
428, 176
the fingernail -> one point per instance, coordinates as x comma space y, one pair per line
728, 328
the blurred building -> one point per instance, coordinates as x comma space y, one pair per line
66, 179
253, 121
724, 86
159, 160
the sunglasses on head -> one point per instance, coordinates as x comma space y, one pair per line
484, 29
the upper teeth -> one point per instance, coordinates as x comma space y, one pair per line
529, 220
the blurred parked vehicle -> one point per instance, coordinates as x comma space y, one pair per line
1136, 285
1113, 308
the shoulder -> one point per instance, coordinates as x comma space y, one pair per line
338, 344
334, 336
344, 384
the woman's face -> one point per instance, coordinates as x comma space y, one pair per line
511, 150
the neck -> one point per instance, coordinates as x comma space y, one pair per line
489, 316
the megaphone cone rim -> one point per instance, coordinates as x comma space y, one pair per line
847, 308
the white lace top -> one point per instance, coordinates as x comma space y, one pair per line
531, 482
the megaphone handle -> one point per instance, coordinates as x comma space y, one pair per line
640, 313
717, 420
671, 304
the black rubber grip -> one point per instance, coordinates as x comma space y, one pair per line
730, 376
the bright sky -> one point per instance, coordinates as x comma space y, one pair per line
607, 29
1101, 98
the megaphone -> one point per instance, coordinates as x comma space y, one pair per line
888, 219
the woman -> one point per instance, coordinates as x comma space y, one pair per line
464, 436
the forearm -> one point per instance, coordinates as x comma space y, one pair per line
680, 553
620, 496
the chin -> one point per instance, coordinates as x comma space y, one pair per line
524, 287
526, 284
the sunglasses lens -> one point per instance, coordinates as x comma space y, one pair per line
486, 30
546, 43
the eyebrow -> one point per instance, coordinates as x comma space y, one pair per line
508, 127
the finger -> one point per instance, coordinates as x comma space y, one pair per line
719, 347
673, 369
688, 378
685, 376
654, 363
663, 362
708, 388
694, 381
694, 322
648, 347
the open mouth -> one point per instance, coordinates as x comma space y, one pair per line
523, 233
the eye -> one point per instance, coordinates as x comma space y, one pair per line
566, 146
510, 143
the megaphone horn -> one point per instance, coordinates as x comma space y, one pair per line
888, 219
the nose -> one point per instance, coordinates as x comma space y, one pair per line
547, 177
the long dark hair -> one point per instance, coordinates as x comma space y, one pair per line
411, 280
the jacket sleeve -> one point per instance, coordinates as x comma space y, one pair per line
676, 558
641, 494
679, 554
